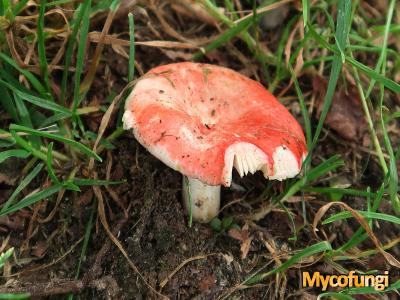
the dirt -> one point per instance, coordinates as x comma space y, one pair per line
158, 239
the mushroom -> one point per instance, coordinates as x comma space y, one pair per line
202, 120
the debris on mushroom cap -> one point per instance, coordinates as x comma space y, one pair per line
202, 120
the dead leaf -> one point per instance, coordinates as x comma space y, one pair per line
243, 236
236, 234
174, 55
376, 262
192, 10
110, 39
274, 18
245, 247
307, 296
4, 178
85, 198
228, 258
380, 5
39, 250
297, 199
345, 116
207, 283
14, 222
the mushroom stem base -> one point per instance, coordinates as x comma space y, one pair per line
204, 199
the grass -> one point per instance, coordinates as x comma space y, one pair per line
3, 259
47, 114
307, 252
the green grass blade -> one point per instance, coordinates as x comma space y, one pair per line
332, 190
7, 74
70, 142
80, 57
70, 47
395, 115
370, 121
5, 256
343, 23
304, 111
5, 7
258, 52
342, 30
19, 296
330, 164
32, 199
323, 168
59, 2
90, 182
281, 72
393, 174
29, 76
95, 59
231, 9
101, 6
41, 45
371, 290
25, 119
335, 295
54, 119
131, 66
28, 146
370, 215
49, 164
41, 102
360, 234
224, 37
306, 11
309, 251
19, 7
390, 84
60, 116
13, 153
381, 64
7, 103
23, 184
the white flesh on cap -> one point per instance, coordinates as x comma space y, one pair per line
204, 199
246, 158
285, 164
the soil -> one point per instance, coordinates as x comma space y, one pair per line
158, 239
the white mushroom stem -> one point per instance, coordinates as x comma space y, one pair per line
200, 199
203, 200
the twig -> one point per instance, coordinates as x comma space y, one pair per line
181, 265
103, 220
59, 287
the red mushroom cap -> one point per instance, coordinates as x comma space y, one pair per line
202, 120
